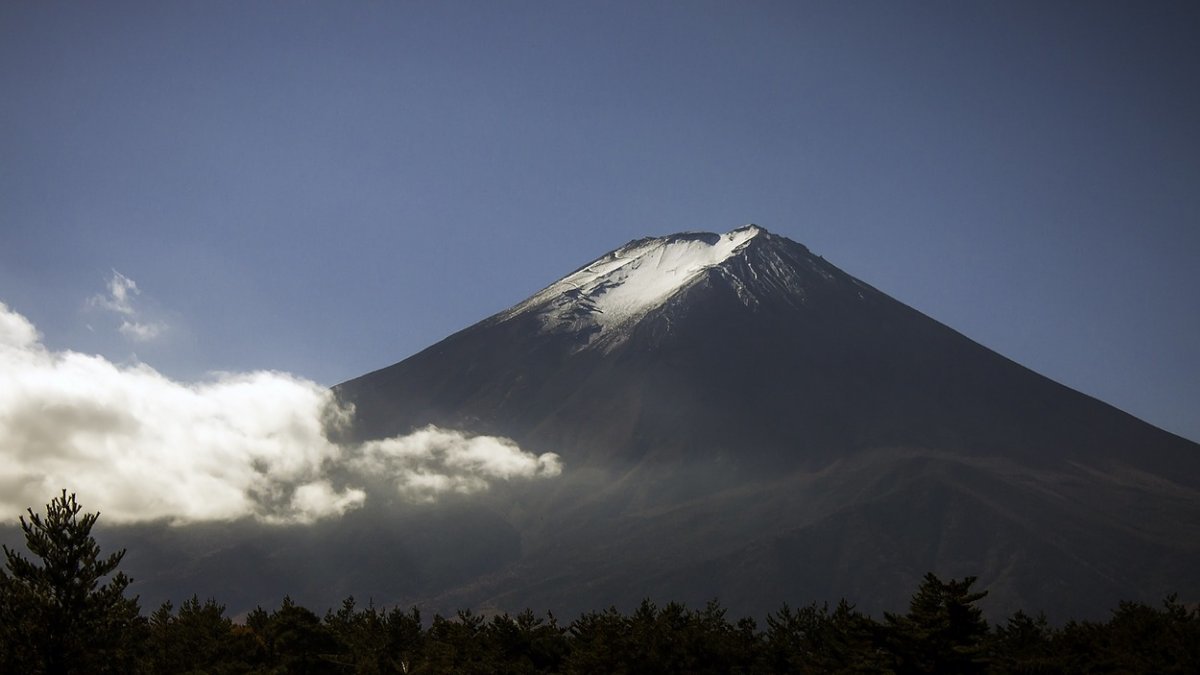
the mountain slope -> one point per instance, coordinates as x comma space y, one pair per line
732, 407
795, 359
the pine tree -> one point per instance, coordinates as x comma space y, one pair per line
298, 642
199, 639
1024, 644
943, 632
56, 615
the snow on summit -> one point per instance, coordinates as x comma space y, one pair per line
626, 283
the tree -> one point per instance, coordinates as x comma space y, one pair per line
56, 615
1024, 644
456, 645
199, 639
526, 644
943, 632
814, 639
296, 640
362, 639
1138, 638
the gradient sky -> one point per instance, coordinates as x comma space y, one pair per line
327, 188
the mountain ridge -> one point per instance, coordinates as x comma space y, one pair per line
812, 285
758, 413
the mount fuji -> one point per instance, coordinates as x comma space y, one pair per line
740, 419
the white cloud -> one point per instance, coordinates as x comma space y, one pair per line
120, 300
315, 500
121, 290
431, 461
141, 332
139, 446
16, 332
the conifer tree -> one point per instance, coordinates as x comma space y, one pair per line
1023, 644
943, 632
57, 615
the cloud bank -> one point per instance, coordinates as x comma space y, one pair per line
139, 446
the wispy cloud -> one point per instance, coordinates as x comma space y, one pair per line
120, 299
141, 332
121, 291
140, 446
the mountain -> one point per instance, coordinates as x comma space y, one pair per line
741, 419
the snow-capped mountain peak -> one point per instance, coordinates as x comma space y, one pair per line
623, 285
740, 374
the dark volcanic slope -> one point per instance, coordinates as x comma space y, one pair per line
733, 408
773, 354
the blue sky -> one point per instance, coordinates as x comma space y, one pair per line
327, 188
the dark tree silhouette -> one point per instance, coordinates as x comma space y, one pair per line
298, 642
199, 638
943, 632
815, 639
56, 615
1023, 644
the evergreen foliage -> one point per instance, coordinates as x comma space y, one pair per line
58, 617
816, 640
1024, 644
199, 639
943, 632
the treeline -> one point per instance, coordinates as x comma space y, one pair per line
56, 616
942, 632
